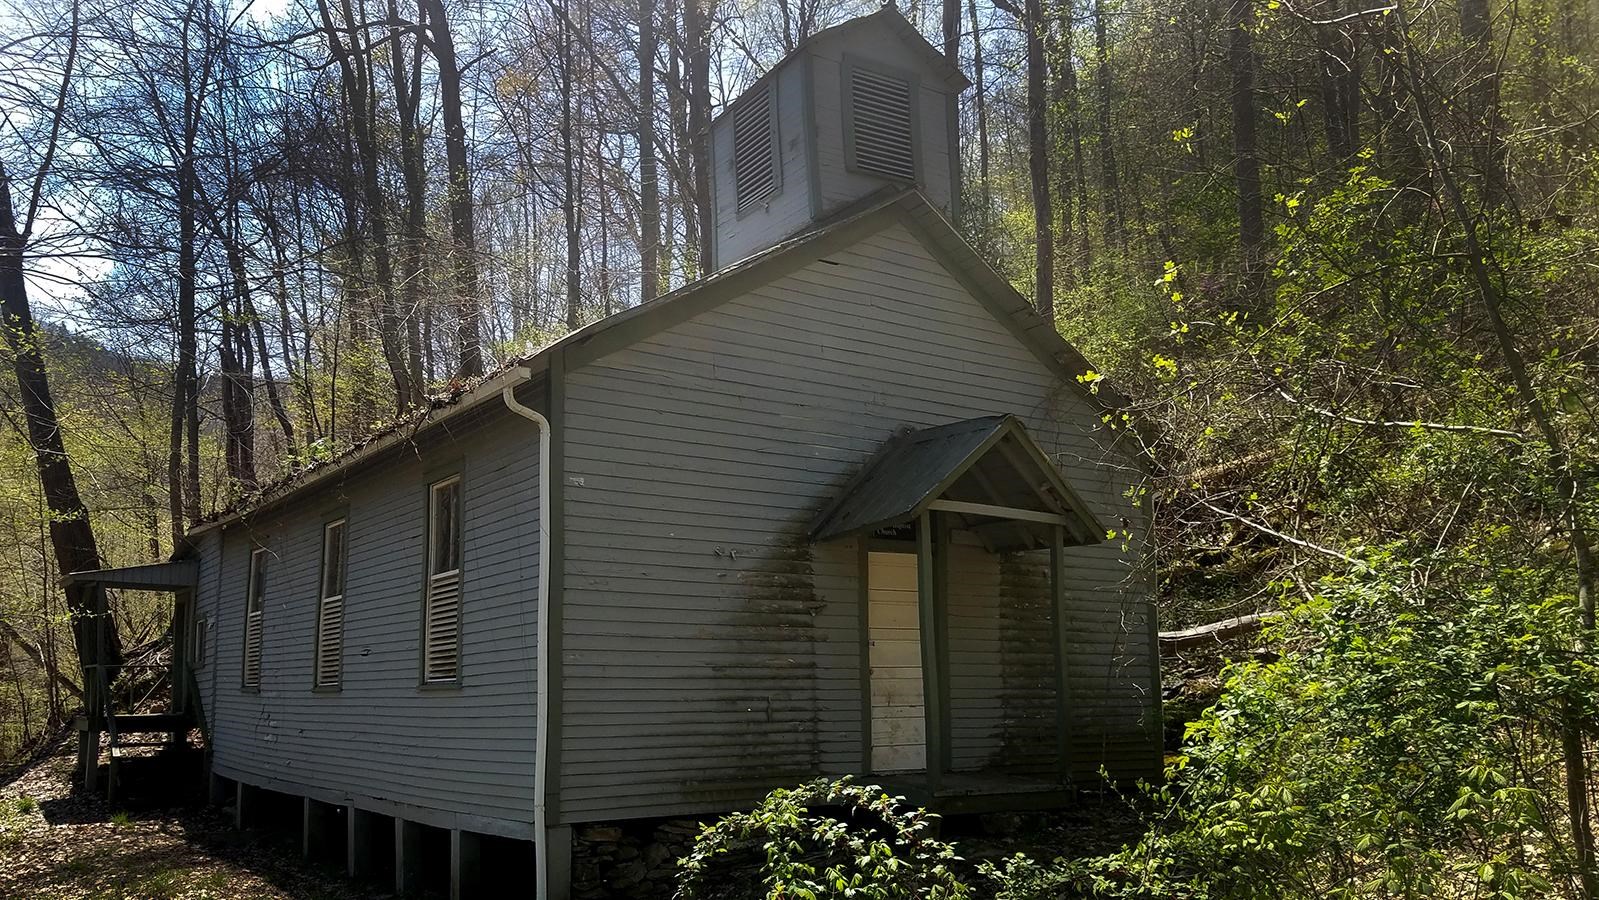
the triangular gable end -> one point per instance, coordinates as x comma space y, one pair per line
987, 473
925, 223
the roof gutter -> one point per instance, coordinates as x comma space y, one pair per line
541, 759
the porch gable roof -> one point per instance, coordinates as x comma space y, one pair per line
987, 471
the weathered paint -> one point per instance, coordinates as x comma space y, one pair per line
875, 44
810, 123
696, 455
456, 756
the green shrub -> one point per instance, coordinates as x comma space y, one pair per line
823, 839
1405, 744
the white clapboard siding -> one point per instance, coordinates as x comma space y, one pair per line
443, 629
330, 641
899, 732
711, 652
840, 180
460, 757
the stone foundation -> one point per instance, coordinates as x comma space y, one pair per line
629, 860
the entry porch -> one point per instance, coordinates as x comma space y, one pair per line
962, 532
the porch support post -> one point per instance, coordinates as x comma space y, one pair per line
931, 585
863, 567
1063, 704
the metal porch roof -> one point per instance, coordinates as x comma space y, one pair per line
913, 471
168, 576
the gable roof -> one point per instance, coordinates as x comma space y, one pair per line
903, 206
948, 74
911, 473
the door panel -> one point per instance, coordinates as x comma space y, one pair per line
898, 715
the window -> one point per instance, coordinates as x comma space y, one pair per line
756, 168
255, 592
882, 119
441, 619
197, 644
330, 608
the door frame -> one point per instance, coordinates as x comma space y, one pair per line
931, 548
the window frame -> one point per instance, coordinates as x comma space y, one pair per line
847, 68
441, 477
254, 604
341, 520
198, 645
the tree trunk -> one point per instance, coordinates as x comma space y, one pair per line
1110, 178
1246, 162
1571, 488
186, 392
1339, 103
980, 98
71, 534
952, 32
1064, 100
574, 295
407, 103
696, 33
463, 261
58, 679
1038, 159
1487, 138
355, 68
649, 174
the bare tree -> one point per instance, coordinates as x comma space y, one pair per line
649, 198
71, 532
462, 232
1246, 160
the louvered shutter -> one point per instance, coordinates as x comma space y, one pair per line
883, 132
330, 641
442, 658
252, 648
255, 588
330, 608
755, 165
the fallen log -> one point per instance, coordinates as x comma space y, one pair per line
1174, 642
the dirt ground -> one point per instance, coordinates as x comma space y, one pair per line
57, 844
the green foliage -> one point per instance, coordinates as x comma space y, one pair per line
1403, 744
823, 839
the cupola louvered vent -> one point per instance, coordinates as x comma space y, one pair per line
880, 141
755, 164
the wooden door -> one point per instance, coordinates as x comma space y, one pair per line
899, 723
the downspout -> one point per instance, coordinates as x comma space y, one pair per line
541, 849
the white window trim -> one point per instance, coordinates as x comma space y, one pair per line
197, 641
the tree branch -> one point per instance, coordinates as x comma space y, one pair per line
1407, 425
